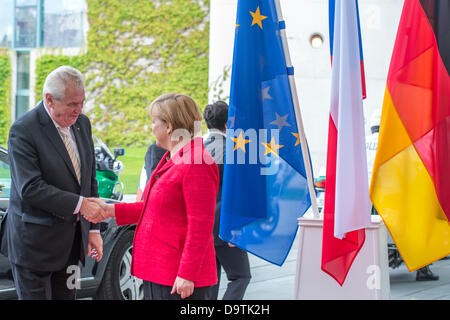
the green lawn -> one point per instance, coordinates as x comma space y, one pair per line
133, 160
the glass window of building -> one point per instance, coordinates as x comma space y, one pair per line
63, 23
24, 3
23, 70
23, 83
6, 23
26, 19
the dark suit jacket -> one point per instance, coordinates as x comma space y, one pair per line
45, 191
215, 145
152, 158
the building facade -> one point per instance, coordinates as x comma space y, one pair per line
307, 31
26, 26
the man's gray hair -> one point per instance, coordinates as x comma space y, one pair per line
56, 81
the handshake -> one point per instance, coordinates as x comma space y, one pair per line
96, 210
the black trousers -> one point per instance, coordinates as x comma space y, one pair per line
44, 285
154, 291
237, 268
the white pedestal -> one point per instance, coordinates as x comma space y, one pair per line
367, 279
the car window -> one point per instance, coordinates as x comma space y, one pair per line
5, 178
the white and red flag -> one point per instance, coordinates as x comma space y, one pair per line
347, 203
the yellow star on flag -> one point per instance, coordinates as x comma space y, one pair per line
272, 147
240, 142
298, 138
257, 18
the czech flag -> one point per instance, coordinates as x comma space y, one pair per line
347, 203
331, 15
411, 178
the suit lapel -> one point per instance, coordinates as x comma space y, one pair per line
152, 180
161, 167
53, 135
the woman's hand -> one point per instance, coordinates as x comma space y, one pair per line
183, 287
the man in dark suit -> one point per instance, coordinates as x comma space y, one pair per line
152, 157
53, 174
233, 259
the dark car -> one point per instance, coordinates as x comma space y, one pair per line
108, 279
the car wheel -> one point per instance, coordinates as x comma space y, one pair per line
117, 282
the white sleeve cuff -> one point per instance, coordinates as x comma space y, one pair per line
77, 209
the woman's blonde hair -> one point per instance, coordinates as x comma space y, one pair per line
179, 110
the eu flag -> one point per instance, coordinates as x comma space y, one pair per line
265, 187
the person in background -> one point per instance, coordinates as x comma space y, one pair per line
153, 155
425, 273
173, 244
52, 161
233, 260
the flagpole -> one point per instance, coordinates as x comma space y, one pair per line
298, 116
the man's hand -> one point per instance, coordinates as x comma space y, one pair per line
183, 287
95, 246
92, 211
109, 208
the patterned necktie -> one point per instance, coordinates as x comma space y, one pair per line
71, 150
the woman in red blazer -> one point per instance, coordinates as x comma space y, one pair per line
173, 250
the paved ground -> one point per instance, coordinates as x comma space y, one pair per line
270, 282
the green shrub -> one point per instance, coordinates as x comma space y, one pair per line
136, 51
5, 96
47, 63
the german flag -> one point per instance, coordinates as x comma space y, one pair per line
410, 185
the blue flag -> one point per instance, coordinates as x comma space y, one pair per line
265, 187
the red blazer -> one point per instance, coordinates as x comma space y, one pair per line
175, 220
